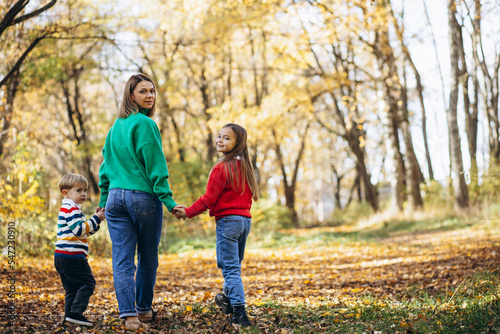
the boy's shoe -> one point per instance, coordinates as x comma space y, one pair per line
240, 317
78, 319
148, 317
224, 302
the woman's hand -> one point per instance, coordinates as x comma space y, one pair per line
179, 212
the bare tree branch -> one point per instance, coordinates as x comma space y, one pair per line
10, 18
21, 59
34, 13
11, 14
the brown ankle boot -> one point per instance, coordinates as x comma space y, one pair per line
147, 317
133, 323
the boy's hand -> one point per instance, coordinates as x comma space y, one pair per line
99, 212
101, 215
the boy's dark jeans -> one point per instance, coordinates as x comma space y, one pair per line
78, 282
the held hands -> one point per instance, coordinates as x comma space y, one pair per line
179, 212
99, 212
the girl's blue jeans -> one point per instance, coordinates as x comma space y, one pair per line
232, 233
134, 222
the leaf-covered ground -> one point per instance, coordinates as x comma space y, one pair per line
315, 286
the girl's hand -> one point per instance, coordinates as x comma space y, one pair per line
180, 212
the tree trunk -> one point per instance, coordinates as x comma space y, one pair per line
459, 187
396, 99
209, 141
178, 137
398, 184
77, 122
387, 64
343, 63
392, 90
370, 191
352, 135
471, 116
256, 168
414, 177
8, 108
337, 182
476, 25
420, 92
414, 174
291, 185
490, 96
355, 187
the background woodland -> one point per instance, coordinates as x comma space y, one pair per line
343, 114
373, 128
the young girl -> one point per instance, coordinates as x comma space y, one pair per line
230, 189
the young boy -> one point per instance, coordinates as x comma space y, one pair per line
71, 252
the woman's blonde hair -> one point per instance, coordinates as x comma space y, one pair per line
238, 179
69, 181
129, 107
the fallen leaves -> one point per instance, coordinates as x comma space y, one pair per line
336, 275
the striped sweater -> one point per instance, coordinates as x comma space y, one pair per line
72, 231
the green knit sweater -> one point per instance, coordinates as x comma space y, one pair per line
134, 159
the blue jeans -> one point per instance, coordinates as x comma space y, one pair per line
134, 221
78, 282
232, 233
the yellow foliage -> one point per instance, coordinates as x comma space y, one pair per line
362, 141
14, 206
18, 191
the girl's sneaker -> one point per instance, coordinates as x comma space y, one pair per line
224, 302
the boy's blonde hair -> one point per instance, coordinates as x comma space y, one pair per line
69, 181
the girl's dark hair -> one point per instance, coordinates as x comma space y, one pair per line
230, 164
129, 107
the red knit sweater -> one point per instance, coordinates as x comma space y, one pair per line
221, 199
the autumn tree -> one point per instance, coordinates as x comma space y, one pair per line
407, 167
399, 30
57, 78
336, 88
460, 188
69, 89
489, 92
20, 33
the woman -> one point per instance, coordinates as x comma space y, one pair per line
134, 184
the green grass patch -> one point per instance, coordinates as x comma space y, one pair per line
473, 308
376, 233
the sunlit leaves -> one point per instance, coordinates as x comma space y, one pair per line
19, 195
408, 282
